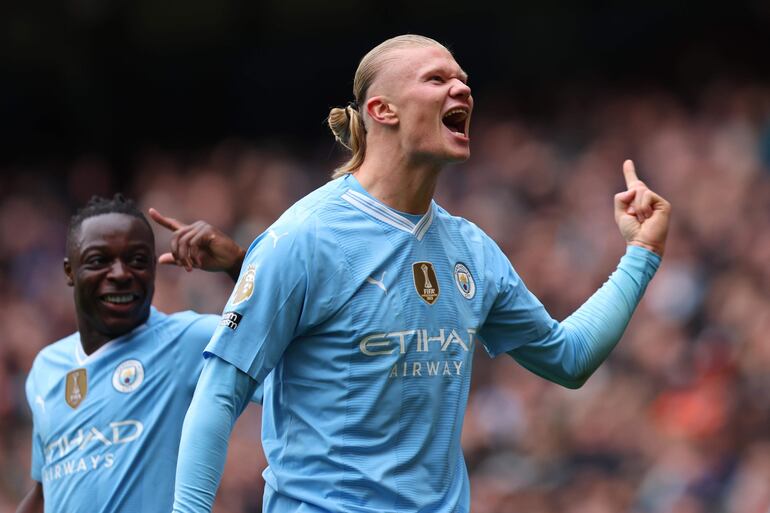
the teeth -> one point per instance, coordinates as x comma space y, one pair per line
119, 298
456, 111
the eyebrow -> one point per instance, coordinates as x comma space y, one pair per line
96, 246
462, 74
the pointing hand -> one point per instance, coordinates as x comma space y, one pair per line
200, 246
641, 214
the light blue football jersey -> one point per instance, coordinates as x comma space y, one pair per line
369, 318
106, 426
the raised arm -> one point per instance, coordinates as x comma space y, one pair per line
572, 350
200, 246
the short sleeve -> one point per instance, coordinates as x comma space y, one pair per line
193, 341
38, 455
515, 317
282, 291
36, 467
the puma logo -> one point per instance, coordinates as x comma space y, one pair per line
39, 400
379, 283
275, 236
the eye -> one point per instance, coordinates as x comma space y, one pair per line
140, 261
95, 261
437, 79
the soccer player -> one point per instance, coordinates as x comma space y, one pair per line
108, 401
366, 300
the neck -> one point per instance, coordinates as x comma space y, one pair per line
402, 184
90, 339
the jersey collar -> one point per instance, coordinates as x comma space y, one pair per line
357, 196
80, 355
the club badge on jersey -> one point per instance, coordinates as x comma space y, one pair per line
425, 281
75, 387
128, 376
464, 281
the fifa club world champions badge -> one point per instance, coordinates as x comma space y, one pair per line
75, 387
425, 281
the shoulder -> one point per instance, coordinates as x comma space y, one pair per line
58, 354
62, 349
325, 198
191, 321
488, 257
466, 229
305, 228
322, 200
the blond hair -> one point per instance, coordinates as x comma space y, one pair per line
347, 123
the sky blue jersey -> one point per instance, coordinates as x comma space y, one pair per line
106, 426
369, 319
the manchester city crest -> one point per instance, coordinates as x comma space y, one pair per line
128, 376
464, 281
425, 281
245, 287
75, 387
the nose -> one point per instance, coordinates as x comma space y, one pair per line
119, 272
460, 89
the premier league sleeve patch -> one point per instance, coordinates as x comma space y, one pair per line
245, 286
128, 376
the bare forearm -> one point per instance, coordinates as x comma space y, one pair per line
33, 501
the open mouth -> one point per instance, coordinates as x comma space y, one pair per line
119, 299
456, 120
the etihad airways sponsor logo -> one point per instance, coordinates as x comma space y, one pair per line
77, 466
116, 433
426, 369
429, 353
419, 340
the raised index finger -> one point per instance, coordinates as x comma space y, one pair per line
167, 222
629, 172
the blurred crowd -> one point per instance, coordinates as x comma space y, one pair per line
676, 421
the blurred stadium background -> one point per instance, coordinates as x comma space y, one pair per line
215, 110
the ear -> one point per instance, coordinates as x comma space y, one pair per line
382, 111
68, 272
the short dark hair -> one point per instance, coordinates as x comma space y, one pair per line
97, 206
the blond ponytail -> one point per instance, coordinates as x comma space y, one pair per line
347, 124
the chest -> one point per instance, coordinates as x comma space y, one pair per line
97, 404
430, 284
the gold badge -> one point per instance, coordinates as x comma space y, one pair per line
76, 387
425, 281
245, 287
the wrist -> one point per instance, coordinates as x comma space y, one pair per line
235, 270
658, 250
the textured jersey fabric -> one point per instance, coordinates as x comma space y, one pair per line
106, 426
368, 319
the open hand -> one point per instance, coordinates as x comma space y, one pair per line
200, 246
641, 214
